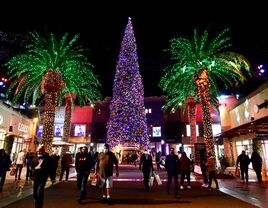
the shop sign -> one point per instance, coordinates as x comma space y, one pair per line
27, 140
23, 127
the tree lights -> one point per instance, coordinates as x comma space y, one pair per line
53, 67
127, 123
200, 64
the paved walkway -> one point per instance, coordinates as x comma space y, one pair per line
129, 191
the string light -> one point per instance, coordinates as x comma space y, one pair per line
199, 64
55, 68
127, 124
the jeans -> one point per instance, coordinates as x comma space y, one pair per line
186, 173
212, 175
146, 175
82, 184
244, 173
64, 169
176, 185
19, 169
38, 191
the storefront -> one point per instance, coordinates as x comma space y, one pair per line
245, 126
16, 130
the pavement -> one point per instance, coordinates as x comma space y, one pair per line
129, 191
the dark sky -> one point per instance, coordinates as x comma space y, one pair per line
102, 33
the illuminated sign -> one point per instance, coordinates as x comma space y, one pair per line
40, 131
58, 130
23, 127
157, 131
79, 130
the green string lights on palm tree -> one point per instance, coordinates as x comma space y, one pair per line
52, 67
200, 65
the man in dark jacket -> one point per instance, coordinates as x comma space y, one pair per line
5, 164
146, 165
29, 157
83, 166
66, 162
257, 164
244, 161
41, 165
172, 168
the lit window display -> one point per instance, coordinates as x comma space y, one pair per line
79, 130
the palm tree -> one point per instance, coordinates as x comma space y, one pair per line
200, 65
85, 90
49, 66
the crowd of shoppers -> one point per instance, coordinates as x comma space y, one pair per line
40, 165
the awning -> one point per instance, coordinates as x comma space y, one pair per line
79, 140
259, 127
61, 143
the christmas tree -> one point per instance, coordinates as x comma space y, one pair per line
127, 124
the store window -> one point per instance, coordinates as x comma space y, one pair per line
244, 145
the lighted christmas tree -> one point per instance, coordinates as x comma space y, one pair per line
127, 124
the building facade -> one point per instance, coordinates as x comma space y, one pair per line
245, 126
17, 131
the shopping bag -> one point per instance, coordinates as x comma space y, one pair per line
158, 180
151, 181
13, 171
237, 173
94, 181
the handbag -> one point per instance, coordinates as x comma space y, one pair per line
95, 179
237, 173
158, 180
151, 181
13, 171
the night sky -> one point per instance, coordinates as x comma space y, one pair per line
102, 32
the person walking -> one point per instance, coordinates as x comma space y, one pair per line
66, 162
5, 163
172, 168
108, 174
185, 169
83, 166
257, 164
29, 157
42, 166
79, 151
20, 162
243, 160
146, 165
55, 158
211, 166
203, 166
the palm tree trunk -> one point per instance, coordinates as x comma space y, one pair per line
67, 121
210, 144
203, 86
192, 121
52, 85
192, 118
